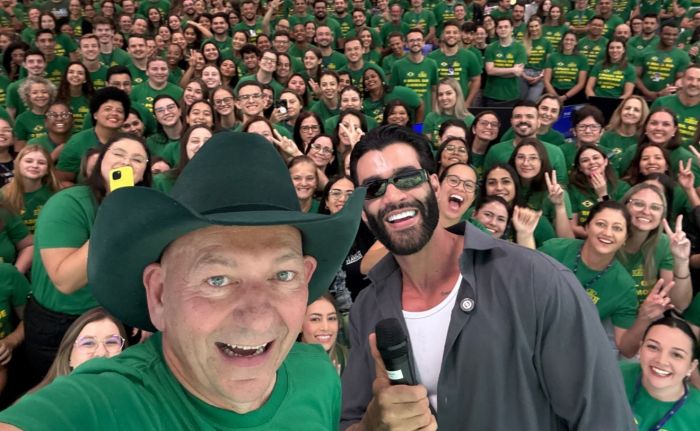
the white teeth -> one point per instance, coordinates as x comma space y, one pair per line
605, 241
457, 198
644, 219
249, 351
401, 215
660, 372
491, 230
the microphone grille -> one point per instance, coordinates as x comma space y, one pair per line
391, 339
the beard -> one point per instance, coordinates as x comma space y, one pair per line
411, 240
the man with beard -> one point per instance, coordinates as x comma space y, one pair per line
356, 64
332, 59
525, 122
648, 37
219, 29
501, 337
138, 53
519, 25
188, 12
396, 43
416, 71
341, 15
458, 63
321, 18
658, 67
685, 104
359, 20
417, 17
299, 13
250, 23
605, 10
395, 24
35, 65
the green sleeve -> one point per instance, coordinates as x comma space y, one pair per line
63, 223
19, 283
15, 227
692, 313
664, 258
630, 74
544, 231
69, 160
626, 312
521, 54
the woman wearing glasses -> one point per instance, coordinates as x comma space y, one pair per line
452, 150
483, 133
59, 274
222, 99
95, 334
658, 386
650, 254
587, 128
306, 128
458, 188
169, 132
320, 150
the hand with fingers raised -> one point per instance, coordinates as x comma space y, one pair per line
354, 134
555, 191
285, 144
680, 244
657, 302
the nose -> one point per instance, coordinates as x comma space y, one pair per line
100, 351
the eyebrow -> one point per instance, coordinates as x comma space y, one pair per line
672, 348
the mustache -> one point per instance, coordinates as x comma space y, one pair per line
524, 123
402, 205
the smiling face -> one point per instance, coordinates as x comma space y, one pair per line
647, 209
110, 115
525, 121
588, 131
59, 119
660, 128
193, 92
606, 232
548, 111
304, 179
446, 97
398, 116
499, 182
197, 139
33, 166
211, 76
39, 96
125, 152
98, 331
616, 50
230, 302
200, 115
296, 84
631, 112
527, 162
455, 152
652, 160
329, 87
309, 129
666, 359
167, 112
591, 162
494, 217
320, 324
339, 194
455, 196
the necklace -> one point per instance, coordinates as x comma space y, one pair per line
593, 280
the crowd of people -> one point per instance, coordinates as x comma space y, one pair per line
568, 127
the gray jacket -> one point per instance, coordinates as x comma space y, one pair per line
530, 355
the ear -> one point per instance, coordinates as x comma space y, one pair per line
310, 265
434, 183
154, 281
693, 367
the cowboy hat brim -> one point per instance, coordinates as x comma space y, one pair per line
134, 225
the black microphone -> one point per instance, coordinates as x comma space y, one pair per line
393, 347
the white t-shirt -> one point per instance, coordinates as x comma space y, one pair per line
427, 331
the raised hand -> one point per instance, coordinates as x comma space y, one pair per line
680, 244
555, 191
686, 178
354, 134
525, 220
599, 183
657, 302
285, 144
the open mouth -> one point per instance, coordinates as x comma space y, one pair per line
242, 351
455, 202
401, 216
605, 241
659, 372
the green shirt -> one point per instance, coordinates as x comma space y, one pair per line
692, 313
565, 69
578, 18
611, 80
80, 106
634, 263
75, 149
157, 144
29, 125
648, 411
551, 136
124, 392
615, 145
661, 68
554, 33
375, 109
504, 57
13, 231
65, 222
118, 57
613, 293
687, 116
463, 66
592, 49
390, 27
144, 94
55, 69
501, 152
583, 200
252, 30
539, 200
99, 77
610, 25
163, 181
162, 5
14, 289
323, 111
419, 77
33, 203
539, 50
423, 20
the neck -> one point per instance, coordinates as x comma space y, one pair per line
332, 103
450, 50
92, 65
5, 155
106, 48
305, 205
59, 138
479, 146
228, 121
31, 185
326, 51
594, 260
422, 271
40, 111
103, 134
140, 63
76, 91
649, 36
634, 242
506, 41
627, 130
668, 395
543, 129
263, 77
687, 100
220, 37
415, 57
174, 131
356, 65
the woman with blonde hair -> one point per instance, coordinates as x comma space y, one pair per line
537, 48
625, 127
448, 102
34, 183
38, 94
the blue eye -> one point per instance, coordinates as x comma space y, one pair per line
286, 275
217, 281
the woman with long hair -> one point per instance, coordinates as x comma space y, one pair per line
482, 134
211, 53
154, 20
192, 141
283, 72
566, 71
229, 73
302, 169
313, 64
555, 26
321, 151
397, 112
223, 100
453, 149
448, 103
620, 76
307, 126
378, 93
537, 48
195, 90
12, 59
59, 279
34, 183
76, 89
625, 127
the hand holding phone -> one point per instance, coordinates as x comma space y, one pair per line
121, 177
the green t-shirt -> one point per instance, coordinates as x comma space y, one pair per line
423, 20
687, 116
162, 5
65, 222
540, 201
501, 152
80, 106
679, 154
613, 293
13, 231
118, 57
634, 263
44, 142
123, 392
99, 77
538, 53
157, 144
14, 289
33, 203
375, 109
388, 62
692, 313
253, 30
138, 76
554, 33
578, 18
615, 146
4, 83
65, 45
55, 69
463, 66
565, 69
330, 124
419, 77
660, 68
551, 136
323, 111
583, 200
163, 181
503, 57
431, 126
610, 25
611, 80
592, 49
13, 101
144, 94
390, 27
648, 411
335, 61
637, 44
29, 125
75, 149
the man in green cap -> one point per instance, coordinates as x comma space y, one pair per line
224, 271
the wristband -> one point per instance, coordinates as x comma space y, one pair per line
681, 278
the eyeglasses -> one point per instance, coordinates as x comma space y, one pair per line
403, 181
320, 148
336, 194
247, 97
523, 158
122, 155
311, 128
484, 123
112, 344
591, 127
455, 181
56, 115
269, 60
170, 108
640, 205
455, 149
224, 101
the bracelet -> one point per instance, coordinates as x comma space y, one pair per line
681, 278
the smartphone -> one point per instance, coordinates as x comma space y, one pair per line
281, 105
121, 177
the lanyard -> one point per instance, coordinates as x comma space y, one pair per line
669, 414
597, 277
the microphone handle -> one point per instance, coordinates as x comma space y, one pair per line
400, 371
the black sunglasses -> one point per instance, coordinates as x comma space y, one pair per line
403, 181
